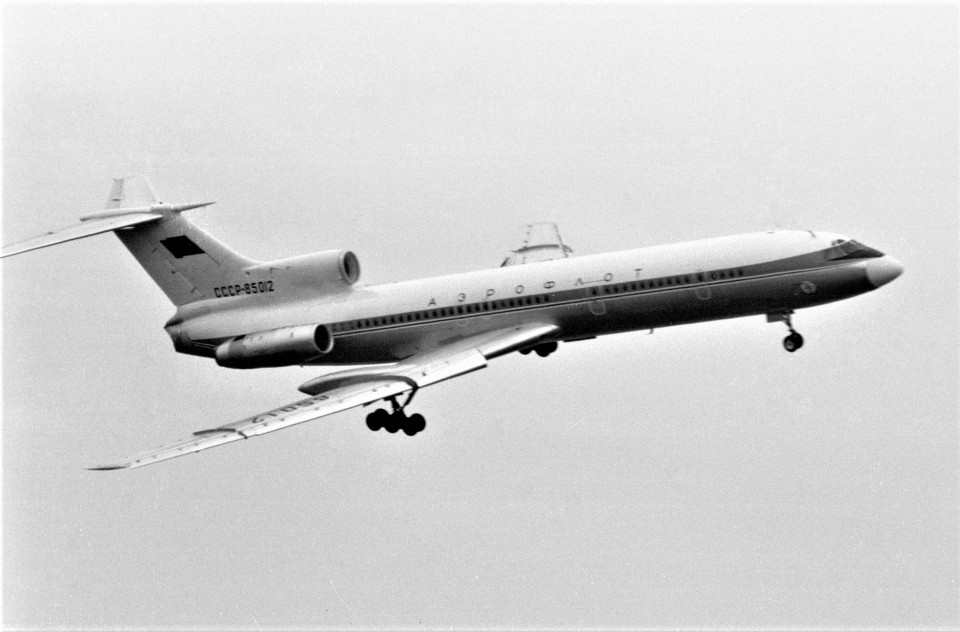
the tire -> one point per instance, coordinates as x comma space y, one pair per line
793, 342
546, 349
376, 419
394, 422
416, 423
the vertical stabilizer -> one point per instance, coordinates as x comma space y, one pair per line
185, 261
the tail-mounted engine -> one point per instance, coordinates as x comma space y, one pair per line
277, 347
326, 271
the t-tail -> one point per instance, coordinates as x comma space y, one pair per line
188, 263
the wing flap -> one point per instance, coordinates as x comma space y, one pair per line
349, 389
78, 231
270, 421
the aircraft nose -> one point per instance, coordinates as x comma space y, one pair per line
883, 270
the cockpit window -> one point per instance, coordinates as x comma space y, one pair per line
851, 250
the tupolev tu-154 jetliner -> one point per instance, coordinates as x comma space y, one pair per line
400, 337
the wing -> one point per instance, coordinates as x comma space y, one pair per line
538, 242
356, 387
79, 231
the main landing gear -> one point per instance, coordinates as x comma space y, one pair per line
397, 420
543, 349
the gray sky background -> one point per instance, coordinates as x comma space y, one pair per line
700, 476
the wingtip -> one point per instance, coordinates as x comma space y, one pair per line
179, 208
101, 468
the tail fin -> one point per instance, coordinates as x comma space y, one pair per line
185, 261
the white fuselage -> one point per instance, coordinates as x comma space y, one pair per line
587, 296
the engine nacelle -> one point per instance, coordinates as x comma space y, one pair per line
277, 347
327, 270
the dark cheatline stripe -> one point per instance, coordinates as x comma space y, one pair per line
181, 246
818, 259
810, 261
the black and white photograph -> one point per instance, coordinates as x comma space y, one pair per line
416, 316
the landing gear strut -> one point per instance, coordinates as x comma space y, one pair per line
794, 341
397, 420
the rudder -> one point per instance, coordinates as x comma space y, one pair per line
184, 260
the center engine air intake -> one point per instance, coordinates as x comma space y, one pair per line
277, 347
327, 271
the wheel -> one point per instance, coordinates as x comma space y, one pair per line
546, 349
395, 421
415, 423
376, 420
793, 342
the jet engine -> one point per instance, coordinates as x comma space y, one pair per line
319, 271
277, 347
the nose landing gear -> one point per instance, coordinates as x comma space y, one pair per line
397, 420
792, 342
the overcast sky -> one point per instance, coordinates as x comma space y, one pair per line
700, 476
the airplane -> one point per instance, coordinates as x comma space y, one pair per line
389, 341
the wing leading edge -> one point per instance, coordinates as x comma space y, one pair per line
347, 389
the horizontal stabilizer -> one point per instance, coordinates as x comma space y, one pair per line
79, 231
